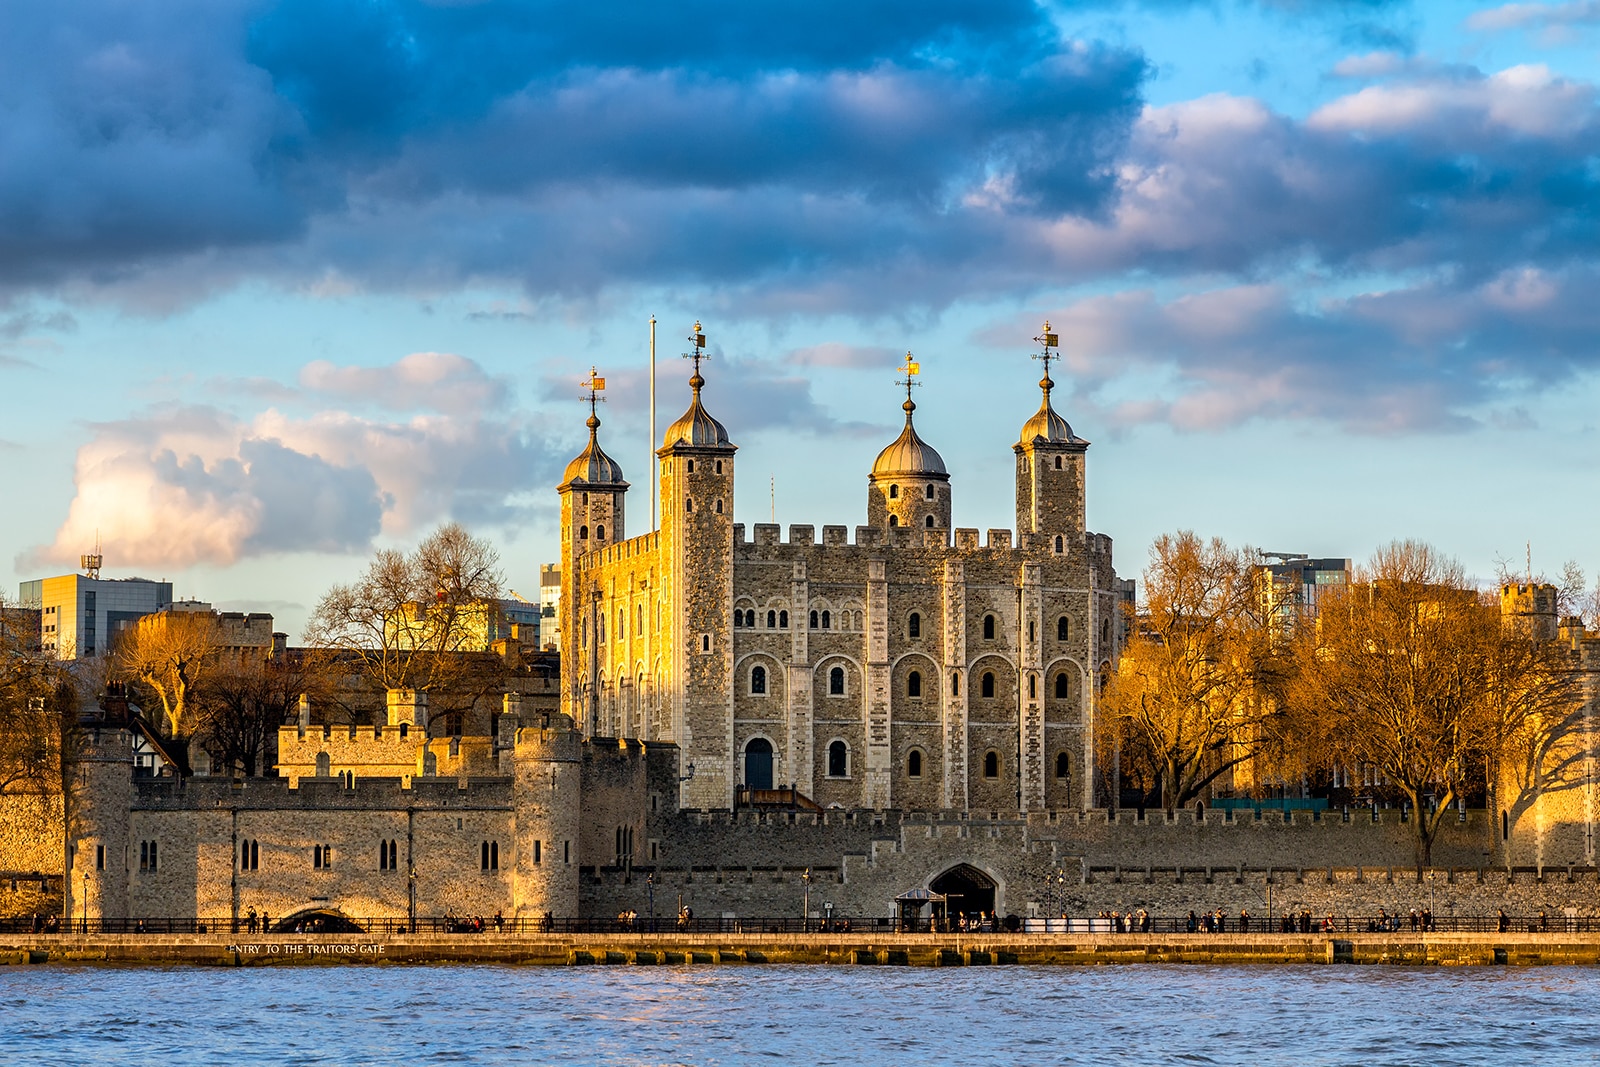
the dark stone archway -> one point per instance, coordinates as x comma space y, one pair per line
968, 890
758, 763
316, 921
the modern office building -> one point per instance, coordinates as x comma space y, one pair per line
80, 615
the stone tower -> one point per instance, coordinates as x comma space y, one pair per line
547, 762
1050, 471
97, 814
909, 485
696, 582
593, 493
1531, 608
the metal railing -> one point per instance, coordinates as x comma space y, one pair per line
671, 926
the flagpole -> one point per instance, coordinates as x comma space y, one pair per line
655, 488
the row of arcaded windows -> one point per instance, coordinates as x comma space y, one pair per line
776, 620
839, 763
986, 684
894, 492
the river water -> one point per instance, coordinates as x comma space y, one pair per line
1143, 1014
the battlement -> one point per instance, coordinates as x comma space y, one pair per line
632, 548
321, 794
401, 751
964, 539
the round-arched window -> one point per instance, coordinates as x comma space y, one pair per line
987, 684
988, 627
758, 681
1062, 691
838, 760
836, 682
914, 764
991, 764
914, 684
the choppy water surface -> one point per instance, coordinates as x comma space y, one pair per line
800, 1015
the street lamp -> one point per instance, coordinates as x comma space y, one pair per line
411, 885
85, 900
650, 886
805, 897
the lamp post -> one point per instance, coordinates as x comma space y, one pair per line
85, 900
650, 887
805, 898
411, 887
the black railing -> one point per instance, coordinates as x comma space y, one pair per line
669, 925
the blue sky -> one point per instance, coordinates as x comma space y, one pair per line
280, 282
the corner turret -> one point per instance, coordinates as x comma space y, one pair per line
909, 485
1051, 463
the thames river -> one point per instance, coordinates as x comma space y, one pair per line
1143, 1014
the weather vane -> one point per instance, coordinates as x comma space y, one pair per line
697, 347
594, 386
910, 368
1048, 341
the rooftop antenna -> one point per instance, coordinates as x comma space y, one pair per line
773, 487
655, 461
91, 561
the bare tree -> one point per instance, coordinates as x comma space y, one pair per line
246, 701
169, 654
1395, 677
1533, 729
414, 621
1191, 699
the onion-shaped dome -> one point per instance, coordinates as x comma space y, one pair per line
1046, 425
593, 465
695, 427
909, 454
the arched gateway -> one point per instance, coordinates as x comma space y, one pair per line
966, 889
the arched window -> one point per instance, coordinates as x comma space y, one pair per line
622, 624
772, 620
1061, 686
813, 620
1058, 463
1061, 546
928, 522
988, 627
914, 764
719, 505
894, 492
929, 492
1063, 628
688, 503
987, 684
914, 684
600, 532
894, 520
955, 684
991, 764
719, 466
691, 466
836, 682
838, 760
914, 625
583, 533
1033, 686
1105, 631
783, 620
1062, 765
826, 622
758, 681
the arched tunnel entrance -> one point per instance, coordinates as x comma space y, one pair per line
967, 890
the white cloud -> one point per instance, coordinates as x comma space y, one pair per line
434, 381
184, 485
1519, 16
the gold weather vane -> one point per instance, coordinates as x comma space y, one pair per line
1048, 341
697, 348
910, 368
594, 385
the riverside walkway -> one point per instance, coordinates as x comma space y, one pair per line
866, 949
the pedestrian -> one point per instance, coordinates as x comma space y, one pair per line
1192, 924
1244, 921
499, 922
1504, 921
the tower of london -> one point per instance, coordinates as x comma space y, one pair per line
914, 665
